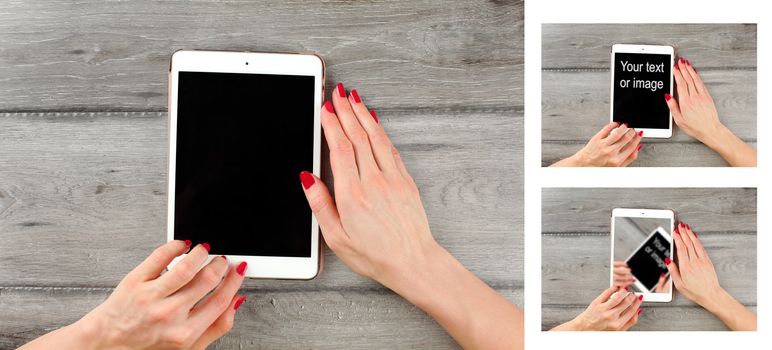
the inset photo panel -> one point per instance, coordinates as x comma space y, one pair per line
649, 259
652, 95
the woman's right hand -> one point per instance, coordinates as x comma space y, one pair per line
150, 310
623, 276
615, 145
608, 312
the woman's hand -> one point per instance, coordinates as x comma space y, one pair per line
623, 276
614, 145
695, 113
378, 227
663, 284
695, 277
615, 309
150, 310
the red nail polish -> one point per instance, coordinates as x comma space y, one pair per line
681, 59
676, 67
668, 97
695, 69
681, 223
639, 148
328, 107
224, 258
640, 133
639, 311
341, 90
687, 227
241, 268
667, 261
355, 95
627, 288
640, 297
306, 179
188, 243
206, 246
661, 275
687, 63
238, 303
676, 231
375, 116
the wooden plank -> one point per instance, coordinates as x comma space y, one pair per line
653, 318
705, 209
653, 154
93, 55
270, 319
83, 195
575, 104
575, 267
711, 46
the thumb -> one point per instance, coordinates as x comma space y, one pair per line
324, 209
675, 110
674, 273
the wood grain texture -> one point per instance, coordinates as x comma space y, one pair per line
576, 248
269, 319
93, 55
576, 78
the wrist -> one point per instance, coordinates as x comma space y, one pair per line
715, 136
415, 279
717, 301
83, 334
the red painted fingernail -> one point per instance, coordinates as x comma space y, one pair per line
627, 288
375, 116
681, 59
307, 179
687, 227
639, 147
640, 133
676, 231
687, 63
681, 223
223, 256
640, 297
661, 275
668, 97
341, 90
238, 303
206, 246
667, 261
188, 243
639, 311
328, 107
241, 268
676, 67
355, 95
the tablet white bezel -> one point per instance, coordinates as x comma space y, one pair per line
644, 213
644, 49
251, 63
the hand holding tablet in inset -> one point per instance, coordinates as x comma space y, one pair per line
695, 113
614, 145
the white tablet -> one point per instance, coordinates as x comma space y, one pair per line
641, 241
242, 126
641, 75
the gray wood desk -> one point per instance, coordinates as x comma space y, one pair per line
576, 249
576, 78
83, 151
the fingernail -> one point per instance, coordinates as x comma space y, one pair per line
625, 124
639, 147
241, 268
661, 275
238, 303
627, 288
355, 95
306, 179
188, 243
667, 261
681, 223
640, 133
328, 107
695, 69
640, 297
668, 97
206, 246
341, 90
375, 116
676, 231
681, 59
639, 311
224, 258
687, 227
687, 63
675, 66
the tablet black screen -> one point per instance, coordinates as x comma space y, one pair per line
242, 140
640, 83
648, 262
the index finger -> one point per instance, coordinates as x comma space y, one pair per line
606, 130
342, 160
605, 295
158, 260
